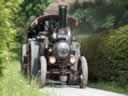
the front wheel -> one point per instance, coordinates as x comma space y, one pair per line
43, 70
83, 72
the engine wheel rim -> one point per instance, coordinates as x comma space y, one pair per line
83, 73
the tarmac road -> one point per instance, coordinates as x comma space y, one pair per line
76, 91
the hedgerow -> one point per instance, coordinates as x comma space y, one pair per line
112, 57
107, 55
7, 28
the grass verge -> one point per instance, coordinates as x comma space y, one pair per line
14, 84
109, 86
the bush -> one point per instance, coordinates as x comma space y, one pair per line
113, 56
7, 29
89, 48
108, 56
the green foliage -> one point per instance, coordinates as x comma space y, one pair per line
103, 16
107, 55
33, 7
89, 16
89, 47
113, 56
120, 2
7, 28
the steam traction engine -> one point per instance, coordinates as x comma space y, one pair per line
51, 52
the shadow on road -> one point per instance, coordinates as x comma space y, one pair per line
57, 84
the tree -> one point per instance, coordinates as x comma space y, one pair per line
29, 10
103, 15
33, 7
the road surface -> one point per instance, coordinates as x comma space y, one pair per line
75, 91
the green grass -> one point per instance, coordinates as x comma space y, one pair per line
109, 86
14, 84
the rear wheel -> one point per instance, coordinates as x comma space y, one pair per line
32, 66
43, 70
34, 58
83, 72
24, 59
